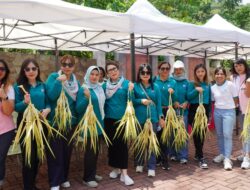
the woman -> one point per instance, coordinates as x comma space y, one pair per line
64, 79
147, 94
7, 126
181, 104
29, 77
224, 95
241, 72
195, 89
116, 90
102, 78
91, 89
167, 86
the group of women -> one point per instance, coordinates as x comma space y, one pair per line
150, 96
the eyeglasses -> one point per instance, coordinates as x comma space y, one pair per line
67, 64
114, 69
28, 69
164, 68
2, 69
145, 73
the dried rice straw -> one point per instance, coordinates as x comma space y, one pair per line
128, 125
146, 141
88, 127
171, 123
200, 126
32, 127
62, 113
245, 134
181, 136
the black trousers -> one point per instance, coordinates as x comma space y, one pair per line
198, 142
118, 151
5, 142
58, 166
90, 161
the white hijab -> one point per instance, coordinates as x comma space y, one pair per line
96, 87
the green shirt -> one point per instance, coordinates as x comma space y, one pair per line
141, 109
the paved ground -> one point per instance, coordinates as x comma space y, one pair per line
185, 177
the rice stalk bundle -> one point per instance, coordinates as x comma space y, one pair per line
181, 136
128, 126
245, 134
32, 128
62, 113
88, 128
146, 141
200, 126
171, 123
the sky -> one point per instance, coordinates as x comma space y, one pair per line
245, 1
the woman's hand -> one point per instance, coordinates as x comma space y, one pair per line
45, 112
170, 90
199, 89
162, 123
146, 102
130, 86
86, 93
27, 98
62, 78
184, 105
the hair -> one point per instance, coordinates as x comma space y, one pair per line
162, 63
243, 62
66, 57
5, 80
196, 80
220, 69
103, 71
148, 67
22, 79
110, 62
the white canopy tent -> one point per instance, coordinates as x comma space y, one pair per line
82, 28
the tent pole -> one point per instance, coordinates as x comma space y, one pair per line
56, 55
236, 50
132, 55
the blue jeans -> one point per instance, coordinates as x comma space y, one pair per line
224, 120
182, 153
246, 145
139, 160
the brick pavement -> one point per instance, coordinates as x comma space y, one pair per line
185, 177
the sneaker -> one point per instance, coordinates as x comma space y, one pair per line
158, 163
218, 159
98, 178
227, 164
203, 164
246, 163
115, 173
65, 184
183, 161
91, 184
127, 180
173, 158
151, 173
139, 169
240, 158
55, 188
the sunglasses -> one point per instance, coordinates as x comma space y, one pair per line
28, 69
112, 70
2, 69
145, 73
67, 64
164, 68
